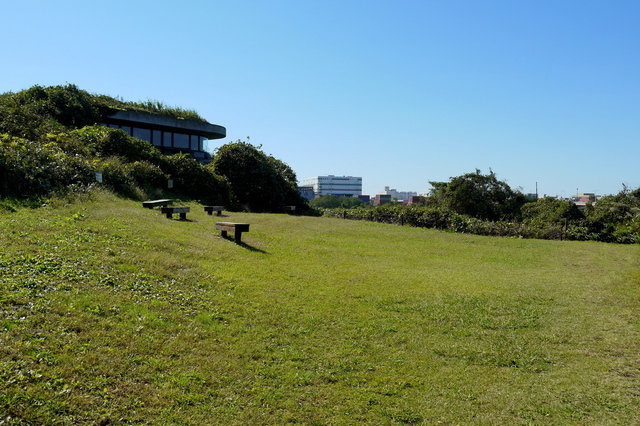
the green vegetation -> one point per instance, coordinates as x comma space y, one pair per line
151, 106
258, 182
334, 202
113, 314
50, 144
33, 112
482, 205
479, 196
68, 161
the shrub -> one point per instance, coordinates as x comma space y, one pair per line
146, 175
477, 195
548, 211
114, 142
117, 177
444, 219
258, 182
30, 169
195, 180
333, 201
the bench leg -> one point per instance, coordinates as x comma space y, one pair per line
224, 234
237, 236
210, 212
169, 216
183, 216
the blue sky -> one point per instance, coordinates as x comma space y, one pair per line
398, 92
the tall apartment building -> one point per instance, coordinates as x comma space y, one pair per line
348, 186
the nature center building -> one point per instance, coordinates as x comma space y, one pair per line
345, 186
169, 134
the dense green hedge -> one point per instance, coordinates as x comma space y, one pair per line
568, 225
481, 204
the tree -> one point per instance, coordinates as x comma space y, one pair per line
550, 211
481, 196
615, 214
259, 182
334, 202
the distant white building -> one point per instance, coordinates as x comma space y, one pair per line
349, 186
399, 195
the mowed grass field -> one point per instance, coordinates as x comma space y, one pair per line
113, 314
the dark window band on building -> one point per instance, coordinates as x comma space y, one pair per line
169, 134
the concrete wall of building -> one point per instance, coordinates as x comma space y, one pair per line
350, 186
208, 130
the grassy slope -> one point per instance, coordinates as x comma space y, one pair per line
112, 313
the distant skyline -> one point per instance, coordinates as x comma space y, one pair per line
398, 92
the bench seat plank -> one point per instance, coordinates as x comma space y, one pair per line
155, 203
236, 228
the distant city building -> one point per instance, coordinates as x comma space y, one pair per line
585, 197
581, 200
415, 199
381, 199
306, 192
347, 186
401, 196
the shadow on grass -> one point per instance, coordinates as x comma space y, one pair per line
244, 245
176, 219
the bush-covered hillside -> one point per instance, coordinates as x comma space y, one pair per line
51, 142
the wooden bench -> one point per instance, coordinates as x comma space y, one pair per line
170, 211
211, 209
236, 228
289, 209
155, 203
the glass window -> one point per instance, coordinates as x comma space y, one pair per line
156, 138
180, 140
126, 129
166, 138
114, 126
194, 142
144, 134
204, 144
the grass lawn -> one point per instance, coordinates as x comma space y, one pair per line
114, 314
